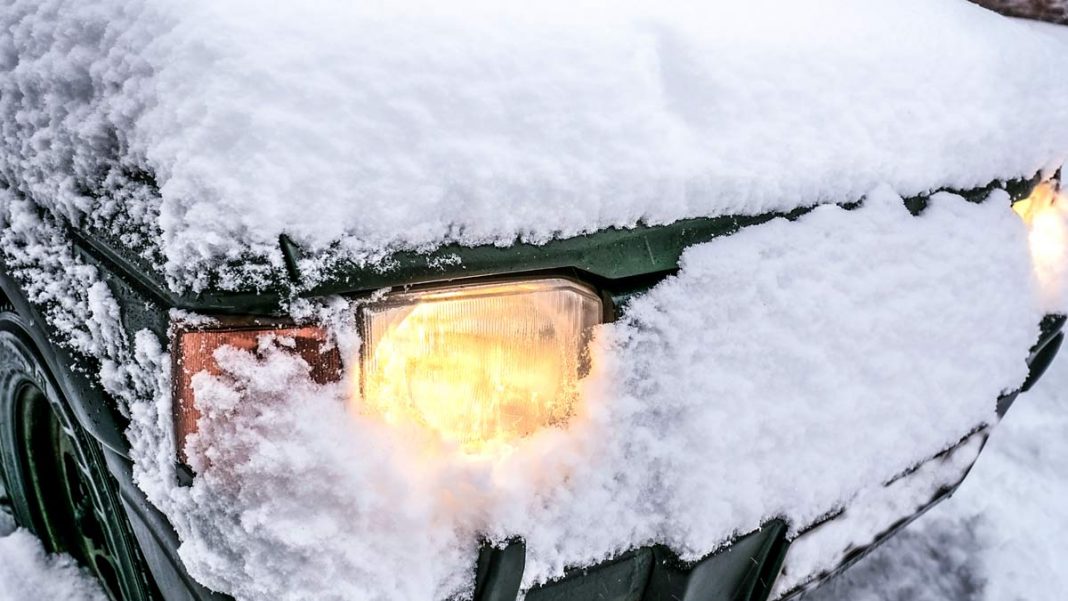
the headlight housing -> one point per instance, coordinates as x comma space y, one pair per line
479, 364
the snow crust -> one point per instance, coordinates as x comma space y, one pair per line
410, 124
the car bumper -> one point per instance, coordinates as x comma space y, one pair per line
763, 565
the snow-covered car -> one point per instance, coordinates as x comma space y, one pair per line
413, 302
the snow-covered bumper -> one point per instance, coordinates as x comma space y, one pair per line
765, 564
769, 564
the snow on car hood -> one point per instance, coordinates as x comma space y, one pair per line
370, 128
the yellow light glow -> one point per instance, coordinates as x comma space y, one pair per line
480, 365
1045, 212
1042, 199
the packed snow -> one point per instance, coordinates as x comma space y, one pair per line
410, 124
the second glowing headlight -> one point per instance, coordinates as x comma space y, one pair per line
480, 364
1045, 212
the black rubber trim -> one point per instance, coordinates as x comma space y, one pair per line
1042, 354
743, 571
499, 571
620, 579
1039, 359
607, 254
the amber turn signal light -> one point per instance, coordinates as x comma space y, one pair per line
194, 352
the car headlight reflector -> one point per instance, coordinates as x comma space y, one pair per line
478, 364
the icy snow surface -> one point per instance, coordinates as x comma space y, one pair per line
410, 124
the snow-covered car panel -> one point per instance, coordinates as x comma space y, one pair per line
763, 564
623, 261
948, 221
762, 379
768, 563
657, 116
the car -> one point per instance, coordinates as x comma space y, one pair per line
212, 387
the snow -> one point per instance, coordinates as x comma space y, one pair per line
989, 542
1003, 536
786, 371
28, 572
813, 392
873, 512
391, 126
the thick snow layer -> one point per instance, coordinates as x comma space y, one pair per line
27, 572
1003, 536
407, 125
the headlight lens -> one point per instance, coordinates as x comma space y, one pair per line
482, 364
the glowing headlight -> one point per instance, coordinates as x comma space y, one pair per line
1045, 212
479, 364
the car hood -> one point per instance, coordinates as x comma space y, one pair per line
199, 134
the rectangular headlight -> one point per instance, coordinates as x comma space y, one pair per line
478, 364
